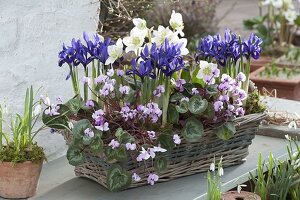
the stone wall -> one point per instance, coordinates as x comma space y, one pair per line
31, 34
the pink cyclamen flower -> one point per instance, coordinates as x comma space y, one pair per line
86, 80
209, 80
230, 107
218, 106
130, 146
152, 178
52, 110
159, 90
151, 135
185, 99
179, 84
45, 99
101, 79
103, 127
90, 103
158, 149
241, 77
224, 98
136, 177
240, 111
110, 72
114, 144
144, 155
89, 132
176, 139
195, 91
120, 72
124, 89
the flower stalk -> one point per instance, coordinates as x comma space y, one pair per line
166, 97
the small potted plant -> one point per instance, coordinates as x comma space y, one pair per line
277, 27
286, 80
21, 159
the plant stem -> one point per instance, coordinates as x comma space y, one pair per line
166, 97
86, 91
1, 116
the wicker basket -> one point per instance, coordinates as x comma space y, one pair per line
187, 158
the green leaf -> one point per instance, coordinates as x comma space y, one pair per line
262, 29
80, 126
86, 140
173, 115
166, 141
121, 153
124, 136
176, 97
185, 75
97, 145
188, 87
110, 154
57, 121
75, 105
160, 164
212, 90
197, 105
210, 111
131, 96
193, 130
226, 131
118, 179
195, 79
183, 107
75, 156
297, 20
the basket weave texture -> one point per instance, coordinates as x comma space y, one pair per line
185, 159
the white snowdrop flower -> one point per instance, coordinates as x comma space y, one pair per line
221, 171
212, 167
287, 137
70, 125
37, 110
292, 124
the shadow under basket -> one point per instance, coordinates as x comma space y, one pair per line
185, 159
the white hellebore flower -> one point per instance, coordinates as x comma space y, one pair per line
206, 69
176, 22
134, 41
289, 4
140, 26
290, 16
114, 52
277, 3
239, 187
161, 34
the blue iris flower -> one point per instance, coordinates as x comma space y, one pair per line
143, 69
252, 47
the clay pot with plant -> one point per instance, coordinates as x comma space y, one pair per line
21, 159
279, 80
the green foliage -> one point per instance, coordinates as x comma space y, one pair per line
173, 115
176, 97
123, 136
183, 107
254, 104
193, 130
30, 152
74, 105
226, 130
75, 155
166, 141
117, 179
57, 121
160, 164
197, 105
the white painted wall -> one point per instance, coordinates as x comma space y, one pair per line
31, 34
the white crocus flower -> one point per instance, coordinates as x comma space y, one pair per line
290, 16
134, 41
239, 188
176, 22
37, 110
114, 52
292, 124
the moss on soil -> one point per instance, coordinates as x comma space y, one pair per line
27, 153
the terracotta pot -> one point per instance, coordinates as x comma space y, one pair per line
285, 88
262, 61
234, 195
19, 180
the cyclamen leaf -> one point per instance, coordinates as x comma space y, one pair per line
80, 126
75, 156
96, 146
183, 107
173, 115
197, 105
160, 164
193, 130
166, 141
121, 153
124, 136
117, 179
226, 131
176, 97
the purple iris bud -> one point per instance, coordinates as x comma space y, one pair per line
218, 106
90, 103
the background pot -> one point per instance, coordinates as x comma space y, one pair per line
262, 61
285, 88
234, 195
19, 180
